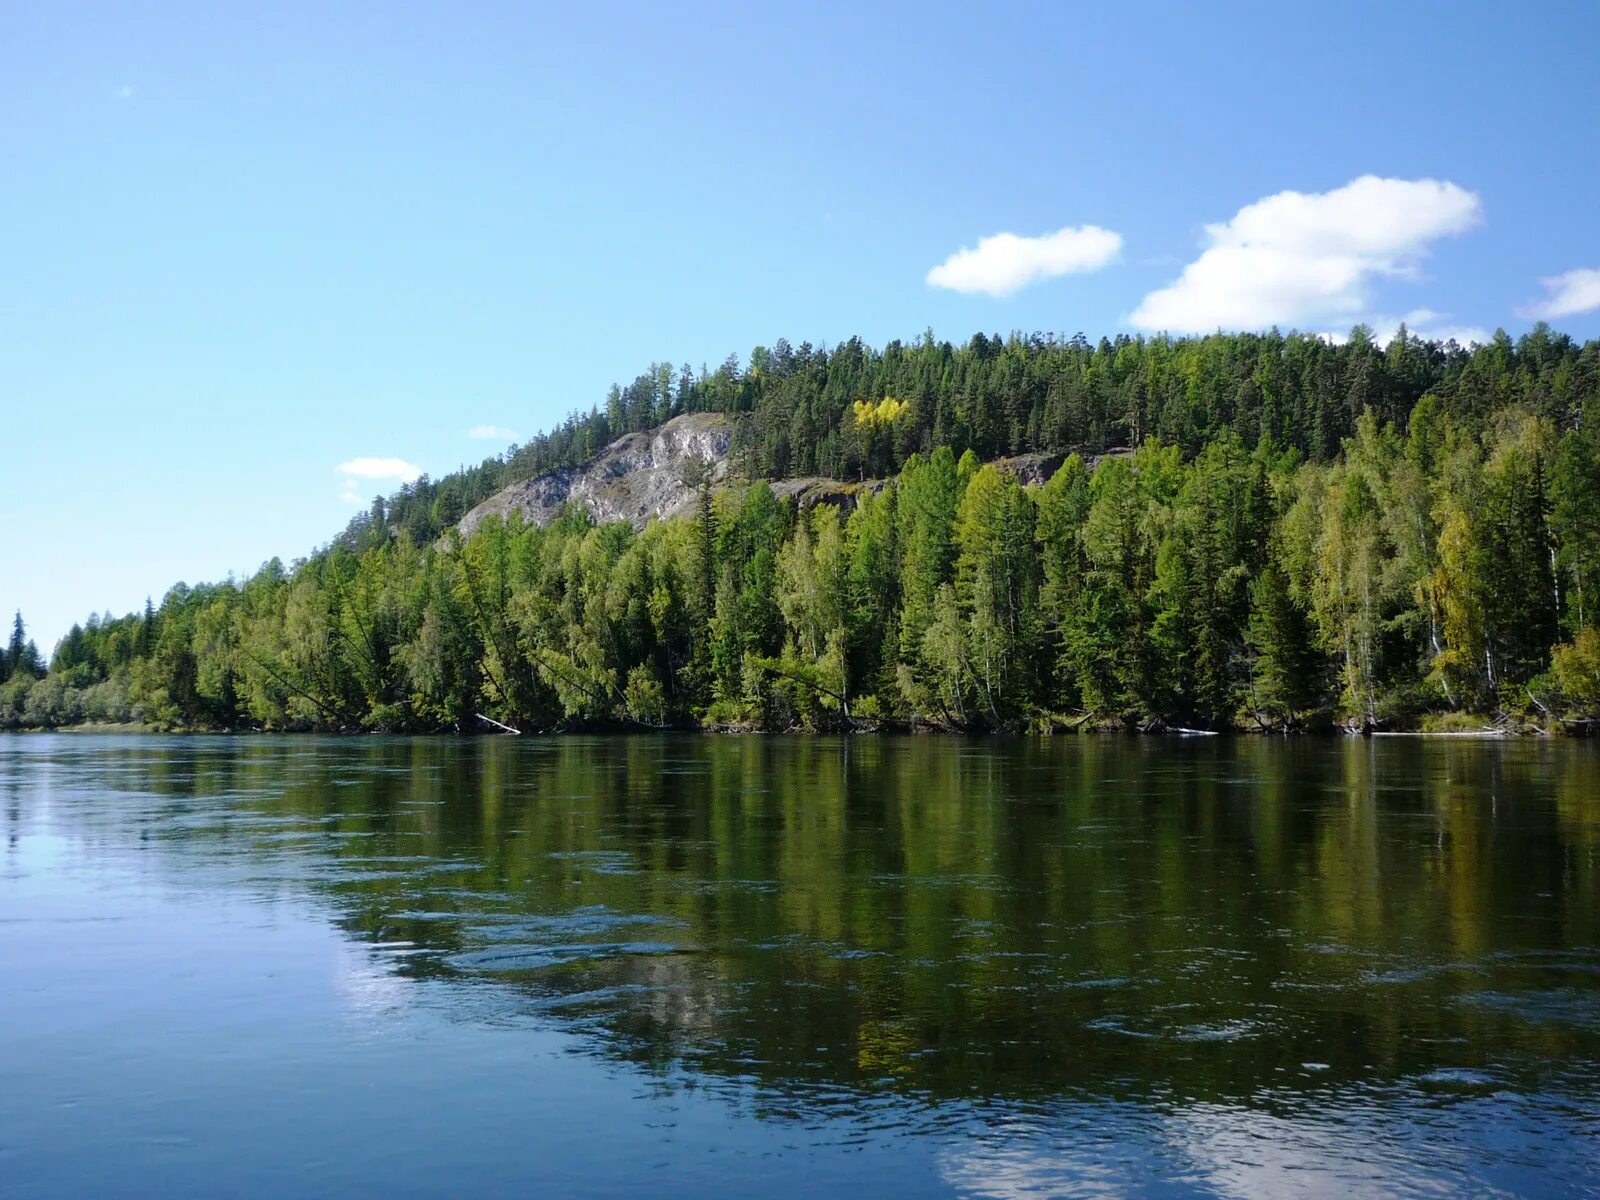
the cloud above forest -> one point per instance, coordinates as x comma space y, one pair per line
397, 469
1421, 323
1296, 257
1566, 295
1430, 326
497, 433
374, 469
1004, 263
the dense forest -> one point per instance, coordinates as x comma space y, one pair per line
1248, 531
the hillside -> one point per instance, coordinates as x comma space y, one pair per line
1302, 535
658, 474
791, 410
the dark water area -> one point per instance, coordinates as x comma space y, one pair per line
684, 966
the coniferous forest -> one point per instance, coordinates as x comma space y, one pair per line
1248, 531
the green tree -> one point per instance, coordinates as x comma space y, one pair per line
1063, 508
1283, 675
1575, 524
928, 492
1576, 671
872, 592
22, 657
997, 589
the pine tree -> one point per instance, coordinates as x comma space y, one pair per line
16, 654
145, 642
1283, 683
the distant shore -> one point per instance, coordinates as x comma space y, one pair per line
135, 728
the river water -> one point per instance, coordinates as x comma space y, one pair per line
683, 966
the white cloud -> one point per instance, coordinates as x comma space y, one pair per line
357, 470
1004, 262
380, 468
125, 92
1423, 323
1295, 257
492, 433
1431, 326
1576, 291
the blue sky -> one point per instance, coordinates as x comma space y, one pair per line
239, 248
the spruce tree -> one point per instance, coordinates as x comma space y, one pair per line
16, 648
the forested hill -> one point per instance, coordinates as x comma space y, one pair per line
1004, 396
1300, 533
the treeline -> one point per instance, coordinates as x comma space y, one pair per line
1444, 566
795, 406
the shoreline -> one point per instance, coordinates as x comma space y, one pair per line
136, 729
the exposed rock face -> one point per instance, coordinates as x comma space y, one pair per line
636, 477
812, 490
1031, 469
1037, 469
655, 474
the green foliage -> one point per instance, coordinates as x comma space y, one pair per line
1284, 674
1302, 529
997, 590
21, 658
1575, 670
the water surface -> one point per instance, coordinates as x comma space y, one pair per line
686, 966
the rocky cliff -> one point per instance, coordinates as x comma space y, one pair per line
636, 477
655, 474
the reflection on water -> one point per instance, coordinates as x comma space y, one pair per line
1081, 966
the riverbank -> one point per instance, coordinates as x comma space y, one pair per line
104, 727
1564, 730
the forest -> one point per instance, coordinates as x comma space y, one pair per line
1269, 532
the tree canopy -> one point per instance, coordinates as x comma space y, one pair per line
1247, 530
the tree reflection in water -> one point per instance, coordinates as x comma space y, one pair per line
1095, 918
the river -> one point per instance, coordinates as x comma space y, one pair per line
703, 967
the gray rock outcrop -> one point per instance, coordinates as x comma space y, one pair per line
640, 475
656, 473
